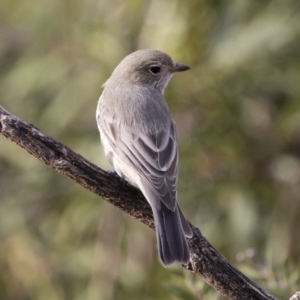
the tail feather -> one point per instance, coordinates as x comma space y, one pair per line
171, 235
185, 225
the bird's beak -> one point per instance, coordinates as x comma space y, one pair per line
178, 67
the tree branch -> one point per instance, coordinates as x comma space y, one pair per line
206, 261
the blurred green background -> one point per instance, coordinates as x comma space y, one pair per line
238, 121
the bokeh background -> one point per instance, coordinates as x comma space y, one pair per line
238, 121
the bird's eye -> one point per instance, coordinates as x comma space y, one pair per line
155, 70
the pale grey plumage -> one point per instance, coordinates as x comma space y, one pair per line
139, 139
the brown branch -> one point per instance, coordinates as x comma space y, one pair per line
206, 261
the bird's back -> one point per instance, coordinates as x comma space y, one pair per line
142, 108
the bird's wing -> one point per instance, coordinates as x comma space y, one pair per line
154, 156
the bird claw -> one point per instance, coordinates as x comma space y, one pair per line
115, 174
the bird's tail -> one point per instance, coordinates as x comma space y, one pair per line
171, 232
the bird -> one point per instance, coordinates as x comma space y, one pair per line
138, 136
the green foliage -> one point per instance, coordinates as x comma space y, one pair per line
238, 120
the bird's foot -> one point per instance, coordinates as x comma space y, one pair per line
115, 174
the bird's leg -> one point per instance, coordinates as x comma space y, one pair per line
115, 174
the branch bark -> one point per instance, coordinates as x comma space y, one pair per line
206, 261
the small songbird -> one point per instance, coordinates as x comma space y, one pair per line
139, 139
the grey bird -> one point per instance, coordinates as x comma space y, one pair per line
139, 139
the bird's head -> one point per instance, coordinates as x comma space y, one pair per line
147, 67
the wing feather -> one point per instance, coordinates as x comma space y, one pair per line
154, 156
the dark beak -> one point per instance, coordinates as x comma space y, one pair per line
178, 67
